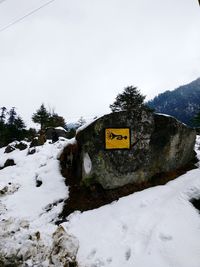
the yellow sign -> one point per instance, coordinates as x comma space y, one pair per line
117, 138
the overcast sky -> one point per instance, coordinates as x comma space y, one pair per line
76, 55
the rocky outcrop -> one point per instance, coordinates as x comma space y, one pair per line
38, 141
158, 144
15, 145
54, 133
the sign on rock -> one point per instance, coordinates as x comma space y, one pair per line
117, 138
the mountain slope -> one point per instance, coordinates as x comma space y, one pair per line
183, 103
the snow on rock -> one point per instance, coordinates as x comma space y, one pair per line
85, 125
61, 128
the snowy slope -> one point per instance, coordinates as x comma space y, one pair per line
29, 211
156, 227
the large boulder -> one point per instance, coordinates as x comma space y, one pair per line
158, 143
54, 133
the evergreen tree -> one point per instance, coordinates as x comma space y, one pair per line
31, 133
81, 121
196, 120
15, 127
19, 123
56, 121
2, 126
12, 127
41, 117
3, 115
12, 116
129, 100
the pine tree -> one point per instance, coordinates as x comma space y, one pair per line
19, 123
196, 120
12, 116
3, 115
81, 121
41, 117
15, 128
129, 100
56, 121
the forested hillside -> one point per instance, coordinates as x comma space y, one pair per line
182, 103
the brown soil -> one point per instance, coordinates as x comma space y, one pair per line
87, 198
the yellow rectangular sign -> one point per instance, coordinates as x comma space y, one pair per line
117, 138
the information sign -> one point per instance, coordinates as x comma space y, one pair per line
117, 138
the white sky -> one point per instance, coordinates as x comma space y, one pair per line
77, 55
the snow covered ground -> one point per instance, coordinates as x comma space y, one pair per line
31, 198
157, 227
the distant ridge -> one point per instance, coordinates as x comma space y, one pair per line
183, 103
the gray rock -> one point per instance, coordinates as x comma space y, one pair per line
38, 141
158, 144
54, 133
9, 162
21, 146
9, 149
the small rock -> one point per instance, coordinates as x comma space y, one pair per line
9, 149
9, 162
21, 146
31, 151
38, 183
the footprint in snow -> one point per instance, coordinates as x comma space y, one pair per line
109, 260
124, 227
98, 263
92, 254
165, 237
128, 254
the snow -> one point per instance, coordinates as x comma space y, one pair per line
42, 166
84, 126
165, 115
155, 227
25, 208
61, 128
